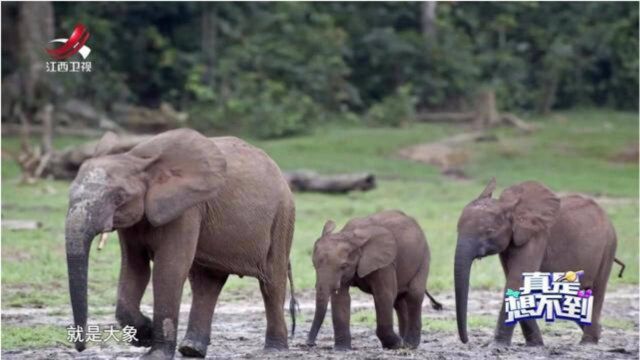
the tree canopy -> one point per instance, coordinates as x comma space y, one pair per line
278, 67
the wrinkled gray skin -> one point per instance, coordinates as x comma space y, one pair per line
196, 207
385, 254
534, 230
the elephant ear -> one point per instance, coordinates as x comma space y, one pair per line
106, 144
378, 249
533, 209
328, 228
488, 190
183, 169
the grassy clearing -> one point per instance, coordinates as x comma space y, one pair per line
368, 317
15, 337
571, 152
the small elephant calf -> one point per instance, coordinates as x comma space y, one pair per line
384, 254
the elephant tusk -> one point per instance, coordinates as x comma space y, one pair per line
103, 240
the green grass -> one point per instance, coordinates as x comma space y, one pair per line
368, 317
15, 337
570, 152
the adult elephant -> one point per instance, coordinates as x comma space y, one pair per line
198, 207
534, 230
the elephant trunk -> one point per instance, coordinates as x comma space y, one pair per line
322, 299
78, 237
465, 253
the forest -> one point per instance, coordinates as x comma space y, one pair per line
421, 107
277, 69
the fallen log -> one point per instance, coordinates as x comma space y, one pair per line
64, 164
21, 224
446, 117
10, 129
311, 181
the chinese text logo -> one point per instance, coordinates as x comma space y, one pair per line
94, 334
75, 44
549, 296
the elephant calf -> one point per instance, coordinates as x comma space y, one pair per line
534, 230
385, 254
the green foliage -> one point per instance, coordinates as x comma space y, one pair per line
395, 110
267, 109
347, 57
260, 107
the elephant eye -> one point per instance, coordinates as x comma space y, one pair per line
344, 266
119, 197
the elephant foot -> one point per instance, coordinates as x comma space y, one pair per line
534, 342
144, 334
157, 354
275, 344
500, 343
587, 339
412, 344
342, 347
193, 348
498, 347
391, 342
142, 324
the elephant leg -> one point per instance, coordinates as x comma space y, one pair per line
273, 295
384, 288
206, 288
591, 333
516, 261
175, 246
341, 315
503, 332
531, 332
414, 315
401, 312
134, 278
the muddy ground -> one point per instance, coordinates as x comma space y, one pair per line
238, 332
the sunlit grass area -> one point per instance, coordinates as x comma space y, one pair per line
570, 152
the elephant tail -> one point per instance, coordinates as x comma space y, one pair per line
622, 266
293, 303
434, 303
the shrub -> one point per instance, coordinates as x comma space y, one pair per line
394, 110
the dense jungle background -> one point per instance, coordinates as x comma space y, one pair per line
430, 99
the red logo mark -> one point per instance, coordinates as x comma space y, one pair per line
72, 45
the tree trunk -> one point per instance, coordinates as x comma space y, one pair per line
35, 29
428, 10
548, 95
486, 111
208, 43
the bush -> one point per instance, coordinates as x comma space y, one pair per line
263, 108
394, 110
274, 111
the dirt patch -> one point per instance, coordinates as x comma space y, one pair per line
628, 154
238, 332
448, 154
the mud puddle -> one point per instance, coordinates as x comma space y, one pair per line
238, 332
